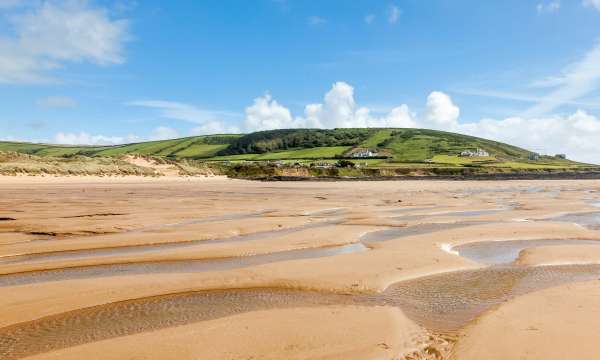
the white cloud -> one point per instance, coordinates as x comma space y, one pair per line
50, 34
316, 20
577, 134
369, 19
56, 102
592, 3
399, 117
338, 110
550, 7
440, 112
164, 133
83, 138
393, 14
266, 114
584, 122
577, 80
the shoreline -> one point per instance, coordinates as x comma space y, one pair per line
282, 178
18, 179
470, 177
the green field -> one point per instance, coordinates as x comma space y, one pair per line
192, 147
419, 148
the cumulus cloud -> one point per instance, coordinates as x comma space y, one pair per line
50, 34
266, 114
56, 102
440, 111
576, 135
338, 110
83, 138
550, 7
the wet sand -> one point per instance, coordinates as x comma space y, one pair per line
172, 268
557, 323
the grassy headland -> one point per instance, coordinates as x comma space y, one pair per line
305, 153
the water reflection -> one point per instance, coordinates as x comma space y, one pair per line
503, 252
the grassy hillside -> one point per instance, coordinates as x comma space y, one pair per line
399, 147
405, 145
191, 147
395, 148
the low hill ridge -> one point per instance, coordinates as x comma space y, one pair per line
373, 147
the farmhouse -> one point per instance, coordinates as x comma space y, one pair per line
477, 153
362, 153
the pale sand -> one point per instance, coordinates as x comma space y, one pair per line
558, 323
305, 239
560, 255
342, 333
388, 262
169, 234
87, 213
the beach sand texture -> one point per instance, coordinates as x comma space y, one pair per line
214, 268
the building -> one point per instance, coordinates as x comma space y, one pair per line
561, 156
364, 153
477, 153
534, 156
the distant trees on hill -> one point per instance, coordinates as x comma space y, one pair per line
266, 141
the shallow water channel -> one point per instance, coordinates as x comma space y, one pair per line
442, 303
184, 266
503, 252
589, 219
153, 248
419, 229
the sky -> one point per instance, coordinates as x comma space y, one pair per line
116, 71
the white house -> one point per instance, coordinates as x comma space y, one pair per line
364, 153
477, 153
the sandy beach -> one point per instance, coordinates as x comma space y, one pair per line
177, 267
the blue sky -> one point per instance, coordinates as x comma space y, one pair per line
525, 72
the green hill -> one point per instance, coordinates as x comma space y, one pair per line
403, 145
190, 147
389, 148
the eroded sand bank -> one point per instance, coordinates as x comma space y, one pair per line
380, 254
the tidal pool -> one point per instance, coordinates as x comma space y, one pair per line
503, 252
